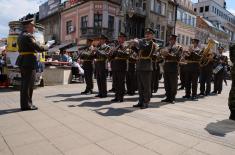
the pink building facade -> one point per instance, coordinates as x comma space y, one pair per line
86, 19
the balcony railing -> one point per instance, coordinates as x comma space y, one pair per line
93, 31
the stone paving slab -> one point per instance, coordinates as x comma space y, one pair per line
69, 123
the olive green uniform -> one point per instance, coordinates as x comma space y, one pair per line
27, 61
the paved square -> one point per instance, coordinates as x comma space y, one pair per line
68, 123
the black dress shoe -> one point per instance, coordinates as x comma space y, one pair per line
202, 94
114, 100
214, 92
98, 95
112, 90
121, 100
85, 92
219, 92
187, 96
137, 105
103, 96
33, 107
166, 100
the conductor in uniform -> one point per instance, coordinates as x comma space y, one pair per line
27, 63
171, 55
144, 67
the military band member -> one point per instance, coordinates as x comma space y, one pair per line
156, 71
131, 79
27, 62
144, 68
220, 62
100, 55
205, 78
119, 67
192, 69
87, 64
231, 100
171, 55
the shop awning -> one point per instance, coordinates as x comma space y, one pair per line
75, 48
60, 47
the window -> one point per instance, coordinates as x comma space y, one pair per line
152, 5
182, 41
111, 22
193, 22
97, 20
206, 8
201, 9
157, 31
84, 21
178, 38
189, 20
163, 8
187, 40
68, 26
195, 9
178, 15
185, 18
157, 6
162, 32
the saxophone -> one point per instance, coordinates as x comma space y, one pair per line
207, 55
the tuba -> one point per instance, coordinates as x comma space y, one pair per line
207, 55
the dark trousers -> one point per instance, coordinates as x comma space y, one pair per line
183, 75
170, 83
27, 85
88, 74
218, 81
119, 83
191, 79
205, 81
101, 82
131, 82
155, 80
144, 86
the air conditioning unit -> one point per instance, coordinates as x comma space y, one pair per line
71, 29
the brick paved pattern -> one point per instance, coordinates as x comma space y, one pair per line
68, 123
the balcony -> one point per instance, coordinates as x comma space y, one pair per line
89, 32
138, 11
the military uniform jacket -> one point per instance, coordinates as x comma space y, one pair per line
193, 59
145, 53
220, 60
87, 58
119, 61
101, 56
174, 51
27, 43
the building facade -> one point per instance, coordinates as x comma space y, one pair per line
185, 23
216, 13
49, 17
84, 19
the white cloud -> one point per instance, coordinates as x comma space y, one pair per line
232, 11
13, 10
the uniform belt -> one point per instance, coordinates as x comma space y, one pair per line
27, 53
118, 58
189, 61
100, 59
145, 58
171, 61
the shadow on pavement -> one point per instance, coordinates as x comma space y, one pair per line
114, 111
9, 111
78, 99
95, 104
221, 128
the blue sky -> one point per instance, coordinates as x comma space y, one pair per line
15, 9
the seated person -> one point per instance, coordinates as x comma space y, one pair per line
64, 57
